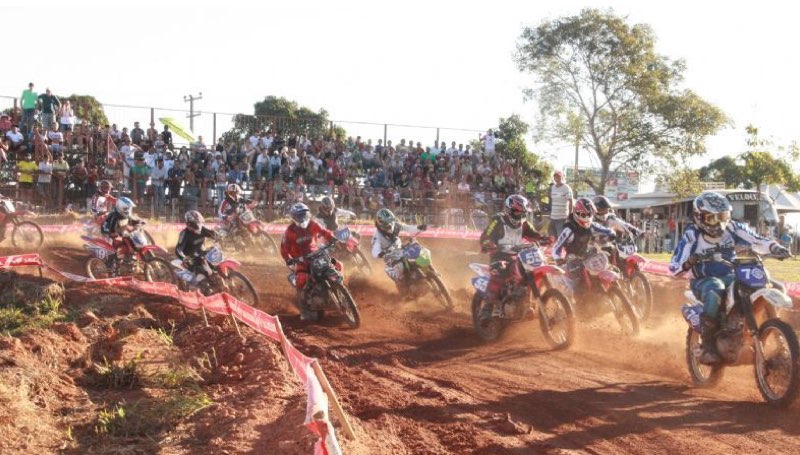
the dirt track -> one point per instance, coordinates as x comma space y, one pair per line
416, 379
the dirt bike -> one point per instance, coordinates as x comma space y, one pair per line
324, 288
598, 280
633, 281
244, 231
25, 234
137, 258
348, 249
555, 314
419, 276
750, 330
92, 228
219, 274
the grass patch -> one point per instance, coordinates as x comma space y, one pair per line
174, 378
117, 375
16, 319
787, 271
145, 418
166, 336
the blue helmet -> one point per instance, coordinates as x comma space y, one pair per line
712, 213
301, 215
124, 206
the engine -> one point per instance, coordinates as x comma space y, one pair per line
516, 301
730, 338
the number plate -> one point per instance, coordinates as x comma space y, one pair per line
531, 258
752, 275
247, 217
480, 283
626, 250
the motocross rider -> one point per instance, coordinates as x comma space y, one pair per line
115, 227
386, 243
329, 215
102, 199
713, 228
506, 229
229, 206
299, 240
190, 242
605, 215
577, 233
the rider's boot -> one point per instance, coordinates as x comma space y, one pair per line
709, 329
305, 313
491, 308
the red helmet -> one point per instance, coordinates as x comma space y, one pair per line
516, 207
583, 211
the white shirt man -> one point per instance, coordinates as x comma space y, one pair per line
560, 203
15, 136
254, 139
266, 141
488, 143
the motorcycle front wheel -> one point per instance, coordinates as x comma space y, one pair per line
97, 269
240, 287
361, 262
158, 269
623, 311
777, 368
346, 305
641, 294
556, 319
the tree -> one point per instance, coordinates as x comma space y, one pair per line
682, 182
511, 145
285, 116
596, 67
761, 167
725, 169
86, 107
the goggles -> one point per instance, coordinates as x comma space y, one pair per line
713, 219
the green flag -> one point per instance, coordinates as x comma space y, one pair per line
169, 121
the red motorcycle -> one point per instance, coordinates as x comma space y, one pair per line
633, 281
244, 231
348, 249
135, 258
25, 235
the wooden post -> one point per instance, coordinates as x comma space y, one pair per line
205, 318
335, 405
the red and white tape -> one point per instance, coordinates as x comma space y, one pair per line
316, 421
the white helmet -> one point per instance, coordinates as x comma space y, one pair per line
194, 221
125, 206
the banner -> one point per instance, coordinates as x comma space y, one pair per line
175, 128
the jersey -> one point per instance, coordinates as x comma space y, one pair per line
297, 242
383, 241
574, 238
331, 222
694, 241
101, 203
190, 243
500, 233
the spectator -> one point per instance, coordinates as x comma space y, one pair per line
137, 134
139, 175
17, 140
560, 200
50, 105
55, 138
79, 178
166, 135
489, 141
5, 145
43, 179
28, 102
26, 171
152, 132
158, 176
60, 172
66, 119
191, 191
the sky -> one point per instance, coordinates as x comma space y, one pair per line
446, 64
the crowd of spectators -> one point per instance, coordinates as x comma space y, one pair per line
58, 160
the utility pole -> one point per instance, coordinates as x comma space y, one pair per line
191, 99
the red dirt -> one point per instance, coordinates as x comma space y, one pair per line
415, 380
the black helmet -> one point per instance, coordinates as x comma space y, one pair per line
603, 207
327, 206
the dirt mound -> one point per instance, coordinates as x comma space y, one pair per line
130, 370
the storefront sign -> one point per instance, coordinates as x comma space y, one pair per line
742, 197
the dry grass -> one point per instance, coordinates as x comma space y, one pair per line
786, 271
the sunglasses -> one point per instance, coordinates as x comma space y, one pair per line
713, 219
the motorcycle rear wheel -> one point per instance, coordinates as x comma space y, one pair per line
361, 262
27, 235
346, 305
557, 320
703, 376
494, 327
781, 363
440, 290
